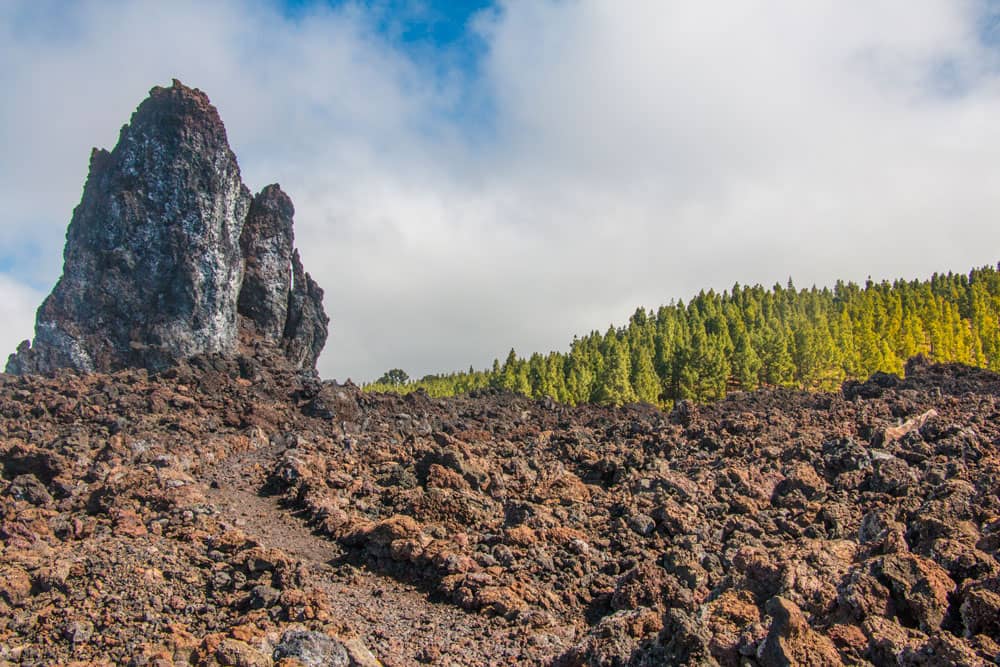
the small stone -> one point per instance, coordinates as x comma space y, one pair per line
78, 631
15, 586
312, 649
359, 654
264, 597
235, 653
642, 524
30, 489
893, 476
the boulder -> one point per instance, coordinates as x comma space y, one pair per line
168, 257
919, 589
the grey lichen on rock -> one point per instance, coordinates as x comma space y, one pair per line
167, 255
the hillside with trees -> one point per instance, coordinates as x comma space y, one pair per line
749, 337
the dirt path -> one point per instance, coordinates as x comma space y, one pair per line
395, 620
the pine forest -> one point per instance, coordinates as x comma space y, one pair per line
751, 337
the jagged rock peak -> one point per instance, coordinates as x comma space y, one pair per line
167, 256
279, 303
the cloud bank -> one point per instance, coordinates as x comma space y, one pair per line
592, 159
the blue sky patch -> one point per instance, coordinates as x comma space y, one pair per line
437, 25
24, 263
438, 36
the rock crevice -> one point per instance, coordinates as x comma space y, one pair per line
168, 256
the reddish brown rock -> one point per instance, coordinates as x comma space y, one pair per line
791, 641
15, 586
919, 589
980, 609
728, 616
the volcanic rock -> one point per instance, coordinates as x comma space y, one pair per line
306, 321
312, 649
919, 589
266, 244
193, 517
792, 642
167, 256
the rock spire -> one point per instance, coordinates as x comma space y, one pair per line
168, 256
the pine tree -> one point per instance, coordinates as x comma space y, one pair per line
777, 368
522, 381
746, 363
645, 382
613, 386
508, 379
579, 380
703, 368
555, 377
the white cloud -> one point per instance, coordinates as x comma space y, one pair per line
17, 312
629, 154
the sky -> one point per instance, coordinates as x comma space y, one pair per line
474, 176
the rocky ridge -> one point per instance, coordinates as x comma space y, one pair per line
168, 256
197, 516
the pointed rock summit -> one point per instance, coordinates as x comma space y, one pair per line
168, 256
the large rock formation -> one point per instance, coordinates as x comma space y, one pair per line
168, 256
